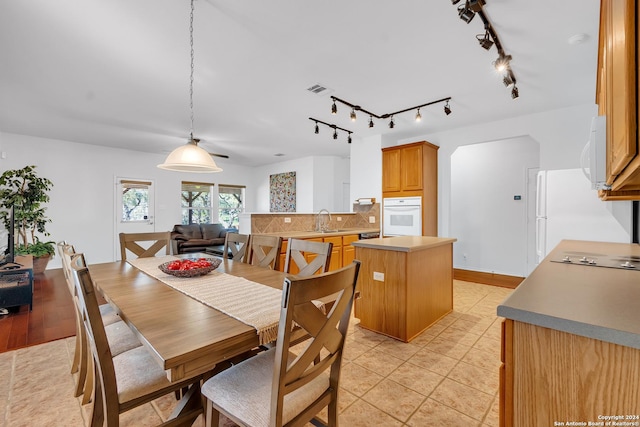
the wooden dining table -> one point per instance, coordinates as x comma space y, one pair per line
185, 336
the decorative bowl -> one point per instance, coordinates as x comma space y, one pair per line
193, 272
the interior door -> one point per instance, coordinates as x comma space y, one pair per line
135, 207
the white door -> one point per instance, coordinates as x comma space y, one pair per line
135, 203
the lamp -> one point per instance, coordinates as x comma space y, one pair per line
465, 13
353, 114
485, 40
391, 124
370, 121
514, 92
502, 63
334, 127
507, 80
190, 157
475, 5
447, 109
418, 116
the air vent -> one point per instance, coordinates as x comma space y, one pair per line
319, 89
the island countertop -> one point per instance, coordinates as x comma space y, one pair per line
315, 234
404, 243
594, 302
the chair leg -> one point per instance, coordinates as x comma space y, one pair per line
97, 412
211, 416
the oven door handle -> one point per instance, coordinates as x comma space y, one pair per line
401, 208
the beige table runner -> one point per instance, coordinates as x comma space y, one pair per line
251, 303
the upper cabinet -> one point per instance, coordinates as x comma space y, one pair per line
412, 170
616, 92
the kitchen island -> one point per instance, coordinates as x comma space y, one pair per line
571, 339
405, 284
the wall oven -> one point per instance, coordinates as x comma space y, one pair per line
402, 216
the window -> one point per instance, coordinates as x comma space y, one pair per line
230, 204
135, 200
197, 205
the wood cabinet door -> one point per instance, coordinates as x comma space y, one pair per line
411, 168
348, 251
618, 43
391, 170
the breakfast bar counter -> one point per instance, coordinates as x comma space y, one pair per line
405, 284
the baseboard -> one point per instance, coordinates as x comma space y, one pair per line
501, 280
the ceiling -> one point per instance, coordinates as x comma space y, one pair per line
116, 72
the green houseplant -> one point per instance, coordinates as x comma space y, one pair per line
27, 193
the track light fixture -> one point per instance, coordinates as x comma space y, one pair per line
352, 115
455, 1
355, 108
514, 92
332, 126
447, 109
488, 40
334, 108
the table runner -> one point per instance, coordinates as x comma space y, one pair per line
251, 303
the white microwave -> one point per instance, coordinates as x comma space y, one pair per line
595, 166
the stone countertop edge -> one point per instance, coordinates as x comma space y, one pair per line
404, 243
627, 339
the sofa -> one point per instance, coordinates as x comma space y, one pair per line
192, 238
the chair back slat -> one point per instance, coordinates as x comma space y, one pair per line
327, 332
264, 251
300, 252
237, 244
129, 243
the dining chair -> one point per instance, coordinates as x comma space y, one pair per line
264, 251
307, 257
131, 378
129, 242
237, 244
277, 387
119, 335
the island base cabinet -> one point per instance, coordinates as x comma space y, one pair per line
552, 378
403, 293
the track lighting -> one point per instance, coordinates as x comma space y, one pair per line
465, 13
475, 5
485, 40
334, 108
332, 126
355, 108
502, 63
455, 1
447, 109
514, 92
507, 80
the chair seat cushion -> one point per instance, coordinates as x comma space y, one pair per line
109, 315
120, 338
138, 374
244, 391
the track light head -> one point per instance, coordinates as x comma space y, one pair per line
455, 1
353, 116
317, 130
335, 134
349, 138
465, 13
447, 109
507, 80
418, 116
391, 123
370, 121
485, 40
475, 5
334, 107
502, 63
514, 92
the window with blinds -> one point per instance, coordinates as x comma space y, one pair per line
230, 204
135, 200
197, 206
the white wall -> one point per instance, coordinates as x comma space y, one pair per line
484, 215
82, 199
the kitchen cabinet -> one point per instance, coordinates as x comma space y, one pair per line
348, 251
616, 92
412, 170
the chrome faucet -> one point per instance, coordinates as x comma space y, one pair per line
322, 225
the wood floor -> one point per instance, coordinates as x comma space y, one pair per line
52, 316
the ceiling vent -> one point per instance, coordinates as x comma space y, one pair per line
319, 89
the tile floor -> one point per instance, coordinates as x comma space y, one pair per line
448, 376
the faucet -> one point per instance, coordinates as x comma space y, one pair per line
322, 225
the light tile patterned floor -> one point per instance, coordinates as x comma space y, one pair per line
448, 376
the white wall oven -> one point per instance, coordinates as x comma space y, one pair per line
402, 216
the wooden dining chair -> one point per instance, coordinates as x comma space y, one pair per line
119, 336
129, 242
237, 244
131, 378
306, 257
264, 251
279, 388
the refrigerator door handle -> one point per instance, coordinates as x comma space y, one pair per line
541, 237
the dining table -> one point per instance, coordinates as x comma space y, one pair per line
185, 336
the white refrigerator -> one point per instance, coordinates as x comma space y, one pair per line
567, 208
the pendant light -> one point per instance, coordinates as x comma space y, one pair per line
190, 157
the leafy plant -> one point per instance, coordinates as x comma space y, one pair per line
27, 193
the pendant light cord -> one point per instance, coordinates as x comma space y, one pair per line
191, 77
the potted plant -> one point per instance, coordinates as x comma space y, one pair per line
28, 193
